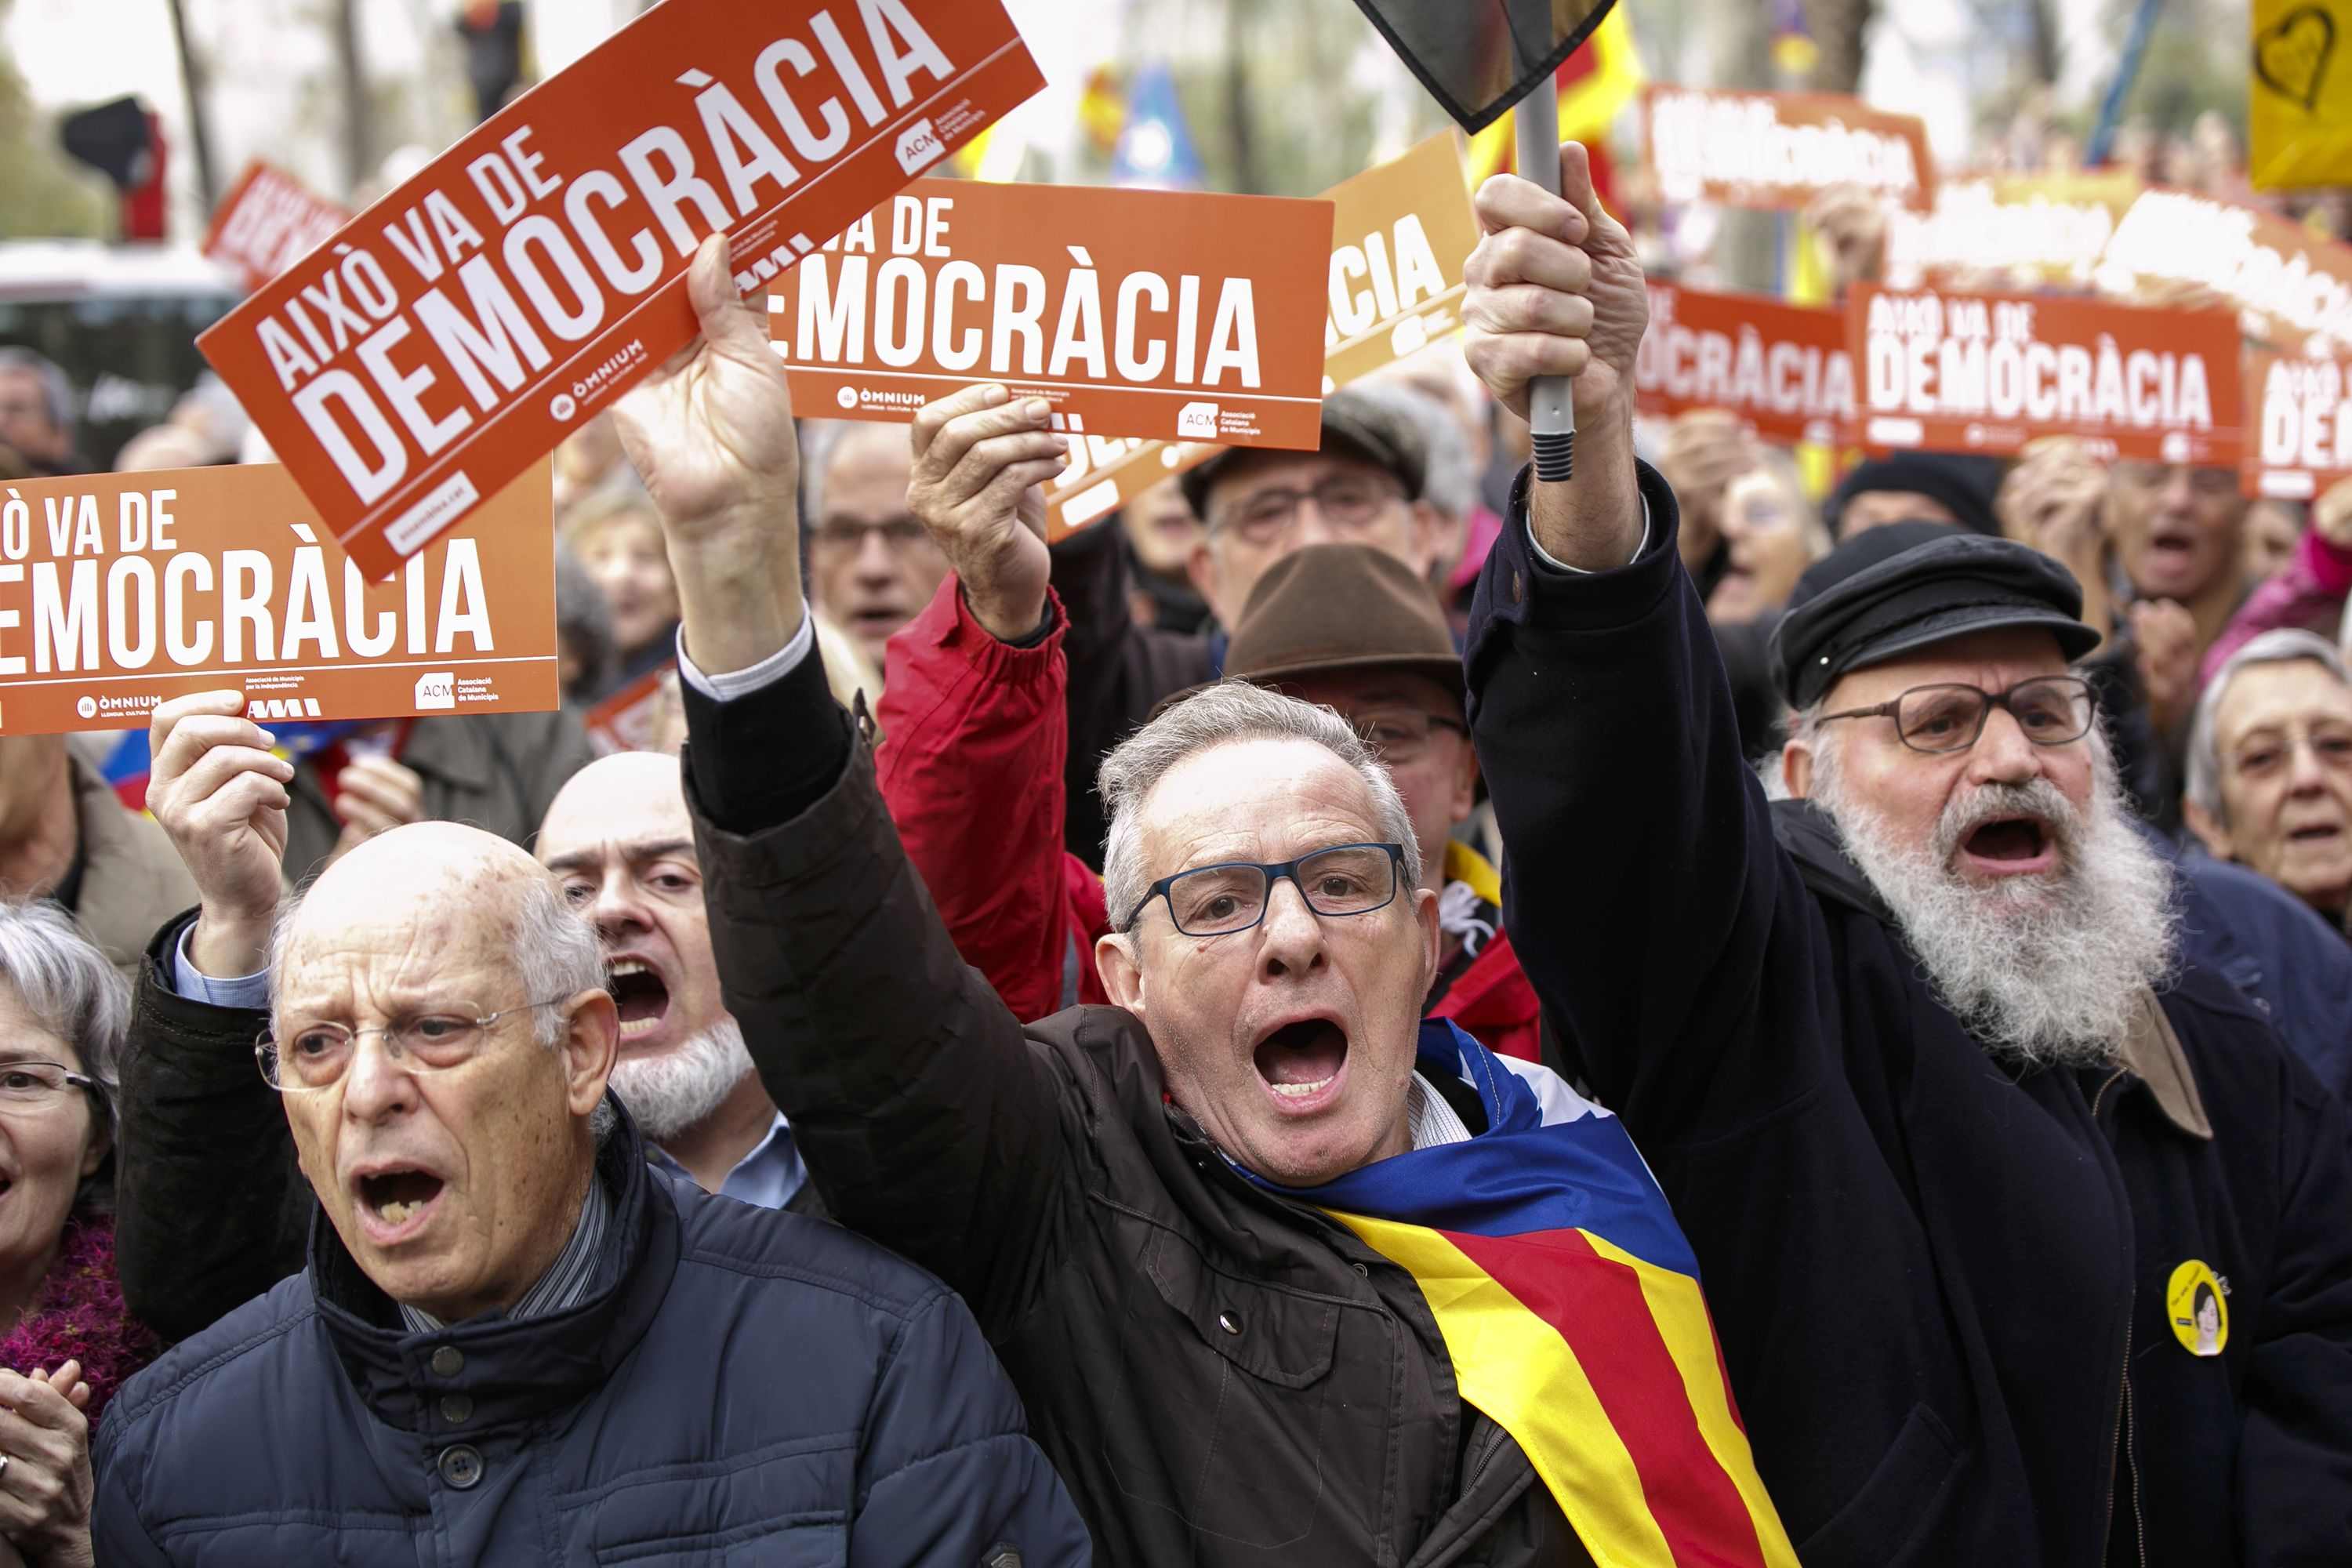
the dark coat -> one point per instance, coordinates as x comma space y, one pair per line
1222, 1377
1940, 1287
749, 1387
211, 1209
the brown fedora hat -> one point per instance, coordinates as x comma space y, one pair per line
1327, 607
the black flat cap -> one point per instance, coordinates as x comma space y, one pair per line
1353, 426
1894, 590
1964, 485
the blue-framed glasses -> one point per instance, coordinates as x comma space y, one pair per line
1232, 896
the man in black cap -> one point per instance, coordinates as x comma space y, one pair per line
1363, 486
1915, 487
1953, 1132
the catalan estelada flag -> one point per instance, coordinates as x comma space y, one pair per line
1571, 1304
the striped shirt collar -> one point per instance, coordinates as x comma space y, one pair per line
568, 1281
1433, 1121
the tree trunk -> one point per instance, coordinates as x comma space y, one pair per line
359, 115
191, 82
1838, 26
1238, 104
2044, 42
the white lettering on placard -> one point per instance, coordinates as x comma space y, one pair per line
145, 607
1741, 371
2173, 235
852, 304
379, 387
1974, 366
1701, 138
2307, 419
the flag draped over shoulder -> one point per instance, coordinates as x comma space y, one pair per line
1571, 1304
1478, 57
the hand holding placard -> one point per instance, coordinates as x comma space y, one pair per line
979, 458
221, 797
711, 433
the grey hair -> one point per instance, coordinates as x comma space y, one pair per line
57, 388
1451, 482
66, 983
553, 951
581, 617
1229, 711
2282, 647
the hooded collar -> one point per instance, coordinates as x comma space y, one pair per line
510, 1370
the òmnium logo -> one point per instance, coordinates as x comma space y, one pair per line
919, 147
436, 688
1197, 422
847, 397
563, 407
87, 706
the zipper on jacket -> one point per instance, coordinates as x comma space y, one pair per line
2123, 1451
1489, 1448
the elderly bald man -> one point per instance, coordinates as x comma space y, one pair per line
516, 1340
621, 844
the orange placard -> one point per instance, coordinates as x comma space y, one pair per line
2294, 288
268, 221
2301, 441
1785, 369
468, 321
1133, 312
1400, 236
625, 721
119, 592
2034, 228
1780, 150
1987, 372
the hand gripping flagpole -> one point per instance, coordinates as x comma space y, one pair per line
1551, 413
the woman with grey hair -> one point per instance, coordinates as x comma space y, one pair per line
66, 1341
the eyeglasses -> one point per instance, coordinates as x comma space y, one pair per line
1232, 896
2210, 483
2051, 710
1402, 739
846, 536
1345, 500
316, 1056
36, 1084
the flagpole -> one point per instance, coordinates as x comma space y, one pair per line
1551, 413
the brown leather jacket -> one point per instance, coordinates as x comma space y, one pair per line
1219, 1376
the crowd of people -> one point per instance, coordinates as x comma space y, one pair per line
1369, 1010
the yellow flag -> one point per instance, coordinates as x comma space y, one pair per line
2301, 95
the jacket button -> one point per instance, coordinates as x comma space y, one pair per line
456, 1408
1002, 1556
448, 1362
1361, 1272
461, 1466
1228, 1321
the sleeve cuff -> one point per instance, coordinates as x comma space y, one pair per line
1546, 557
247, 990
728, 687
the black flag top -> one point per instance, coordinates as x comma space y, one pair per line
1478, 57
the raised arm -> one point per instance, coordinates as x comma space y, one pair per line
211, 1209
974, 705
1642, 889
926, 1120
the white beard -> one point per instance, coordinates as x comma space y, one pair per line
2046, 971
671, 1093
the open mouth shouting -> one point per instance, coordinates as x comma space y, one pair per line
396, 1201
641, 994
1302, 1063
2009, 846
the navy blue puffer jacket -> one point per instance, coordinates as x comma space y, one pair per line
753, 1387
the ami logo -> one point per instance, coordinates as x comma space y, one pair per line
282, 708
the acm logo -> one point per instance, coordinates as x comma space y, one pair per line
436, 688
919, 147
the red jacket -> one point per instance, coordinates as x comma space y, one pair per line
975, 738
